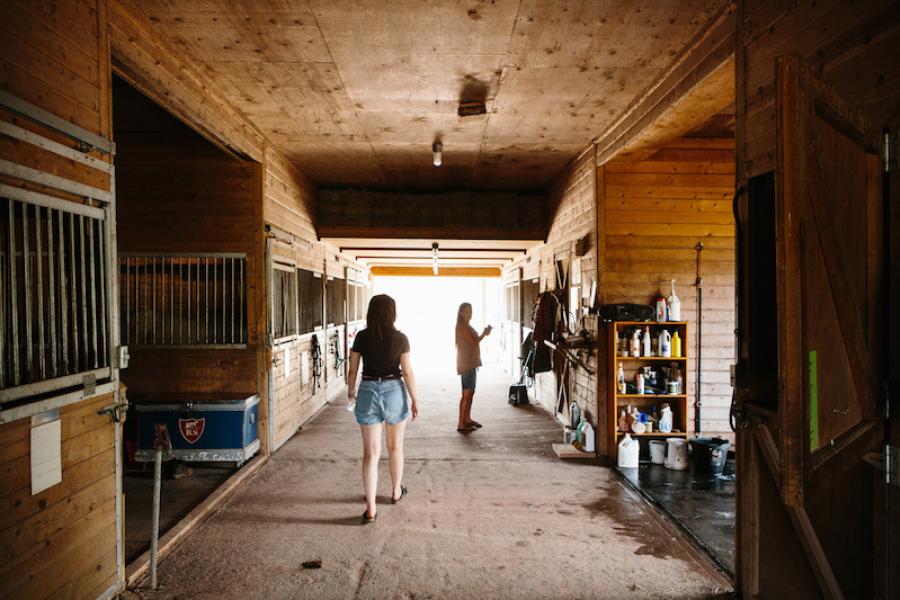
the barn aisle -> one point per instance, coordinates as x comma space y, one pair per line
491, 514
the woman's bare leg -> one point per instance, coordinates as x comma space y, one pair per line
463, 410
395, 435
371, 436
469, 420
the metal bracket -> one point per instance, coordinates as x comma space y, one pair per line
114, 410
89, 382
892, 465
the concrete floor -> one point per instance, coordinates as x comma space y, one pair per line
490, 514
177, 498
702, 503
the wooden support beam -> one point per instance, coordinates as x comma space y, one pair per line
456, 215
698, 84
427, 272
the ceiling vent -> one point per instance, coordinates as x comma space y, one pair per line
471, 108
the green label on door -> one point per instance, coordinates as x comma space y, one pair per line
813, 402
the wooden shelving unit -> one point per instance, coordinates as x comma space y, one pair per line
631, 364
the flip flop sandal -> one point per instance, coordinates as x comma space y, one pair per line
403, 492
476, 425
467, 428
367, 519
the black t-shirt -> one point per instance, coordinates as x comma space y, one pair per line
381, 358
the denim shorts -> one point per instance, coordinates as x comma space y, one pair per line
468, 379
382, 401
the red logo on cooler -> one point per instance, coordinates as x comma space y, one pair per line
191, 429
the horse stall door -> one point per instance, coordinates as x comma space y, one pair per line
807, 496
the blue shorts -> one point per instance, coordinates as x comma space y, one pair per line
382, 401
468, 379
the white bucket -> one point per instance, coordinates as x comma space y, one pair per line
657, 452
629, 453
677, 455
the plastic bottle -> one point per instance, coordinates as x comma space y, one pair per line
646, 340
665, 419
674, 305
665, 343
629, 453
639, 382
621, 380
662, 313
676, 345
636, 343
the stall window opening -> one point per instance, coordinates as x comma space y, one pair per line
336, 297
310, 297
54, 303
284, 301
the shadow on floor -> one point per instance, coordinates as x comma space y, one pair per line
700, 503
177, 498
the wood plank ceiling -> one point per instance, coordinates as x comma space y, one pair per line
355, 92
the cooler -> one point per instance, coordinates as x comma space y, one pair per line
203, 427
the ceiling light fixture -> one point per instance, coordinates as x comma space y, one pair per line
434, 251
437, 148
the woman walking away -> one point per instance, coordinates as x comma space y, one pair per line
382, 396
468, 359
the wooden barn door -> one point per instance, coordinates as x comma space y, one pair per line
805, 524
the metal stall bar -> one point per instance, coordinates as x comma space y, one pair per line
153, 299
172, 300
206, 299
215, 299
233, 314
92, 292
224, 296
127, 288
63, 298
26, 280
13, 287
73, 278
39, 280
83, 301
241, 294
103, 252
4, 248
51, 287
180, 311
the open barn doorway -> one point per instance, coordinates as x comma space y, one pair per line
187, 255
426, 313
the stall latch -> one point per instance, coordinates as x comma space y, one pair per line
114, 410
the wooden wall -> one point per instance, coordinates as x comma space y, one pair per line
61, 542
179, 193
290, 206
656, 211
853, 45
572, 218
651, 215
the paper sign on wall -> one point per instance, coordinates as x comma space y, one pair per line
304, 368
287, 361
46, 455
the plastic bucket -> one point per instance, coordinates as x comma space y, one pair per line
657, 452
709, 454
677, 455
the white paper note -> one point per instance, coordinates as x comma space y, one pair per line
304, 368
46, 456
287, 361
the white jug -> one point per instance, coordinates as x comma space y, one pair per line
629, 453
657, 452
674, 305
677, 456
665, 343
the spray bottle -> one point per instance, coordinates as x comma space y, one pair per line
674, 305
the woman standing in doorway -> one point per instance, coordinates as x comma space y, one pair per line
468, 359
387, 395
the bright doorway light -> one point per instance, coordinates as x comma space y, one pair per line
426, 313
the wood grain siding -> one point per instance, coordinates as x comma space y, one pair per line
60, 542
572, 218
158, 69
652, 214
854, 45
656, 211
290, 207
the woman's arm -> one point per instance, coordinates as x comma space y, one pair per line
351, 376
409, 378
